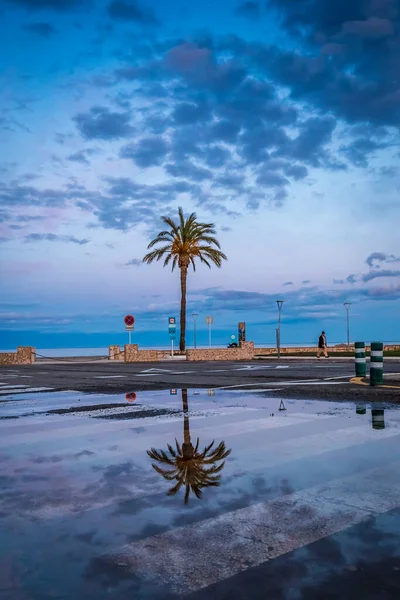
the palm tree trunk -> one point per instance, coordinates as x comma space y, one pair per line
182, 341
186, 426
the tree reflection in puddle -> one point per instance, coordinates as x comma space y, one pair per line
190, 468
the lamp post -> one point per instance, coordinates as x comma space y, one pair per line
194, 315
278, 331
209, 322
347, 307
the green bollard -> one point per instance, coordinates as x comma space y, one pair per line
360, 360
376, 364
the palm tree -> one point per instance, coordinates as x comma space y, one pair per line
184, 242
188, 465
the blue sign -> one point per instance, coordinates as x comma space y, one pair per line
171, 328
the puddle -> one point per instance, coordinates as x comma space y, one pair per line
134, 491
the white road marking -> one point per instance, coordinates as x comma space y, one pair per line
28, 390
12, 387
238, 540
110, 376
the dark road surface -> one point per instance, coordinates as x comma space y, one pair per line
326, 378
287, 498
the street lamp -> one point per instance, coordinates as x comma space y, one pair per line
209, 322
194, 315
347, 307
278, 331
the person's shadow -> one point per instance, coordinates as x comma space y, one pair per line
188, 467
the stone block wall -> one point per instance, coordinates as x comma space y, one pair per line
244, 352
25, 355
133, 354
115, 353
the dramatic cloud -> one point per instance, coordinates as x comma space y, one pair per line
378, 257
148, 152
102, 124
347, 59
131, 10
52, 237
43, 29
381, 273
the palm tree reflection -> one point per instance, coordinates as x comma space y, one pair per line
188, 467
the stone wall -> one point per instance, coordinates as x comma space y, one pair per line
25, 355
312, 350
115, 353
133, 354
244, 352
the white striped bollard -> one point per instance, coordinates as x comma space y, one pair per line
376, 364
360, 360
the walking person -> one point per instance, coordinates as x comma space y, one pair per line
322, 345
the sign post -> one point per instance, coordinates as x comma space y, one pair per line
172, 333
129, 321
209, 322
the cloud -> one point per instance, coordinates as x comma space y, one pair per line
359, 150
52, 237
58, 5
249, 9
377, 257
288, 283
187, 169
4, 240
351, 279
380, 273
148, 152
79, 157
369, 28
43, 29
135, 262
356, 80
131, 10
102, 124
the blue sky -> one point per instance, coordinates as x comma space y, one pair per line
278, 120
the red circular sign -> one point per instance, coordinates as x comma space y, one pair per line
131, 397
129, 320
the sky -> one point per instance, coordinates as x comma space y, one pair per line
277, 120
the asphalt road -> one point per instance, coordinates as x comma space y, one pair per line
323, 379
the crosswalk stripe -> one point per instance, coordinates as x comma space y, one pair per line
195, 556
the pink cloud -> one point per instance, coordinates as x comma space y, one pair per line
188, 57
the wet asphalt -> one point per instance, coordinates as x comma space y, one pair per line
301, 502
316, 379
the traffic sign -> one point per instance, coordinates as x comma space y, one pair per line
131, 396
209, 320
129, 320
171, 321
173, 392
233, 337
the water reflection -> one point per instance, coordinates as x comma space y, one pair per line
190, 468
378, 418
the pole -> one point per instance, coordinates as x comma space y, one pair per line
279, 303
129, 336
172, 348
347, 307
194, 315
209, 334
